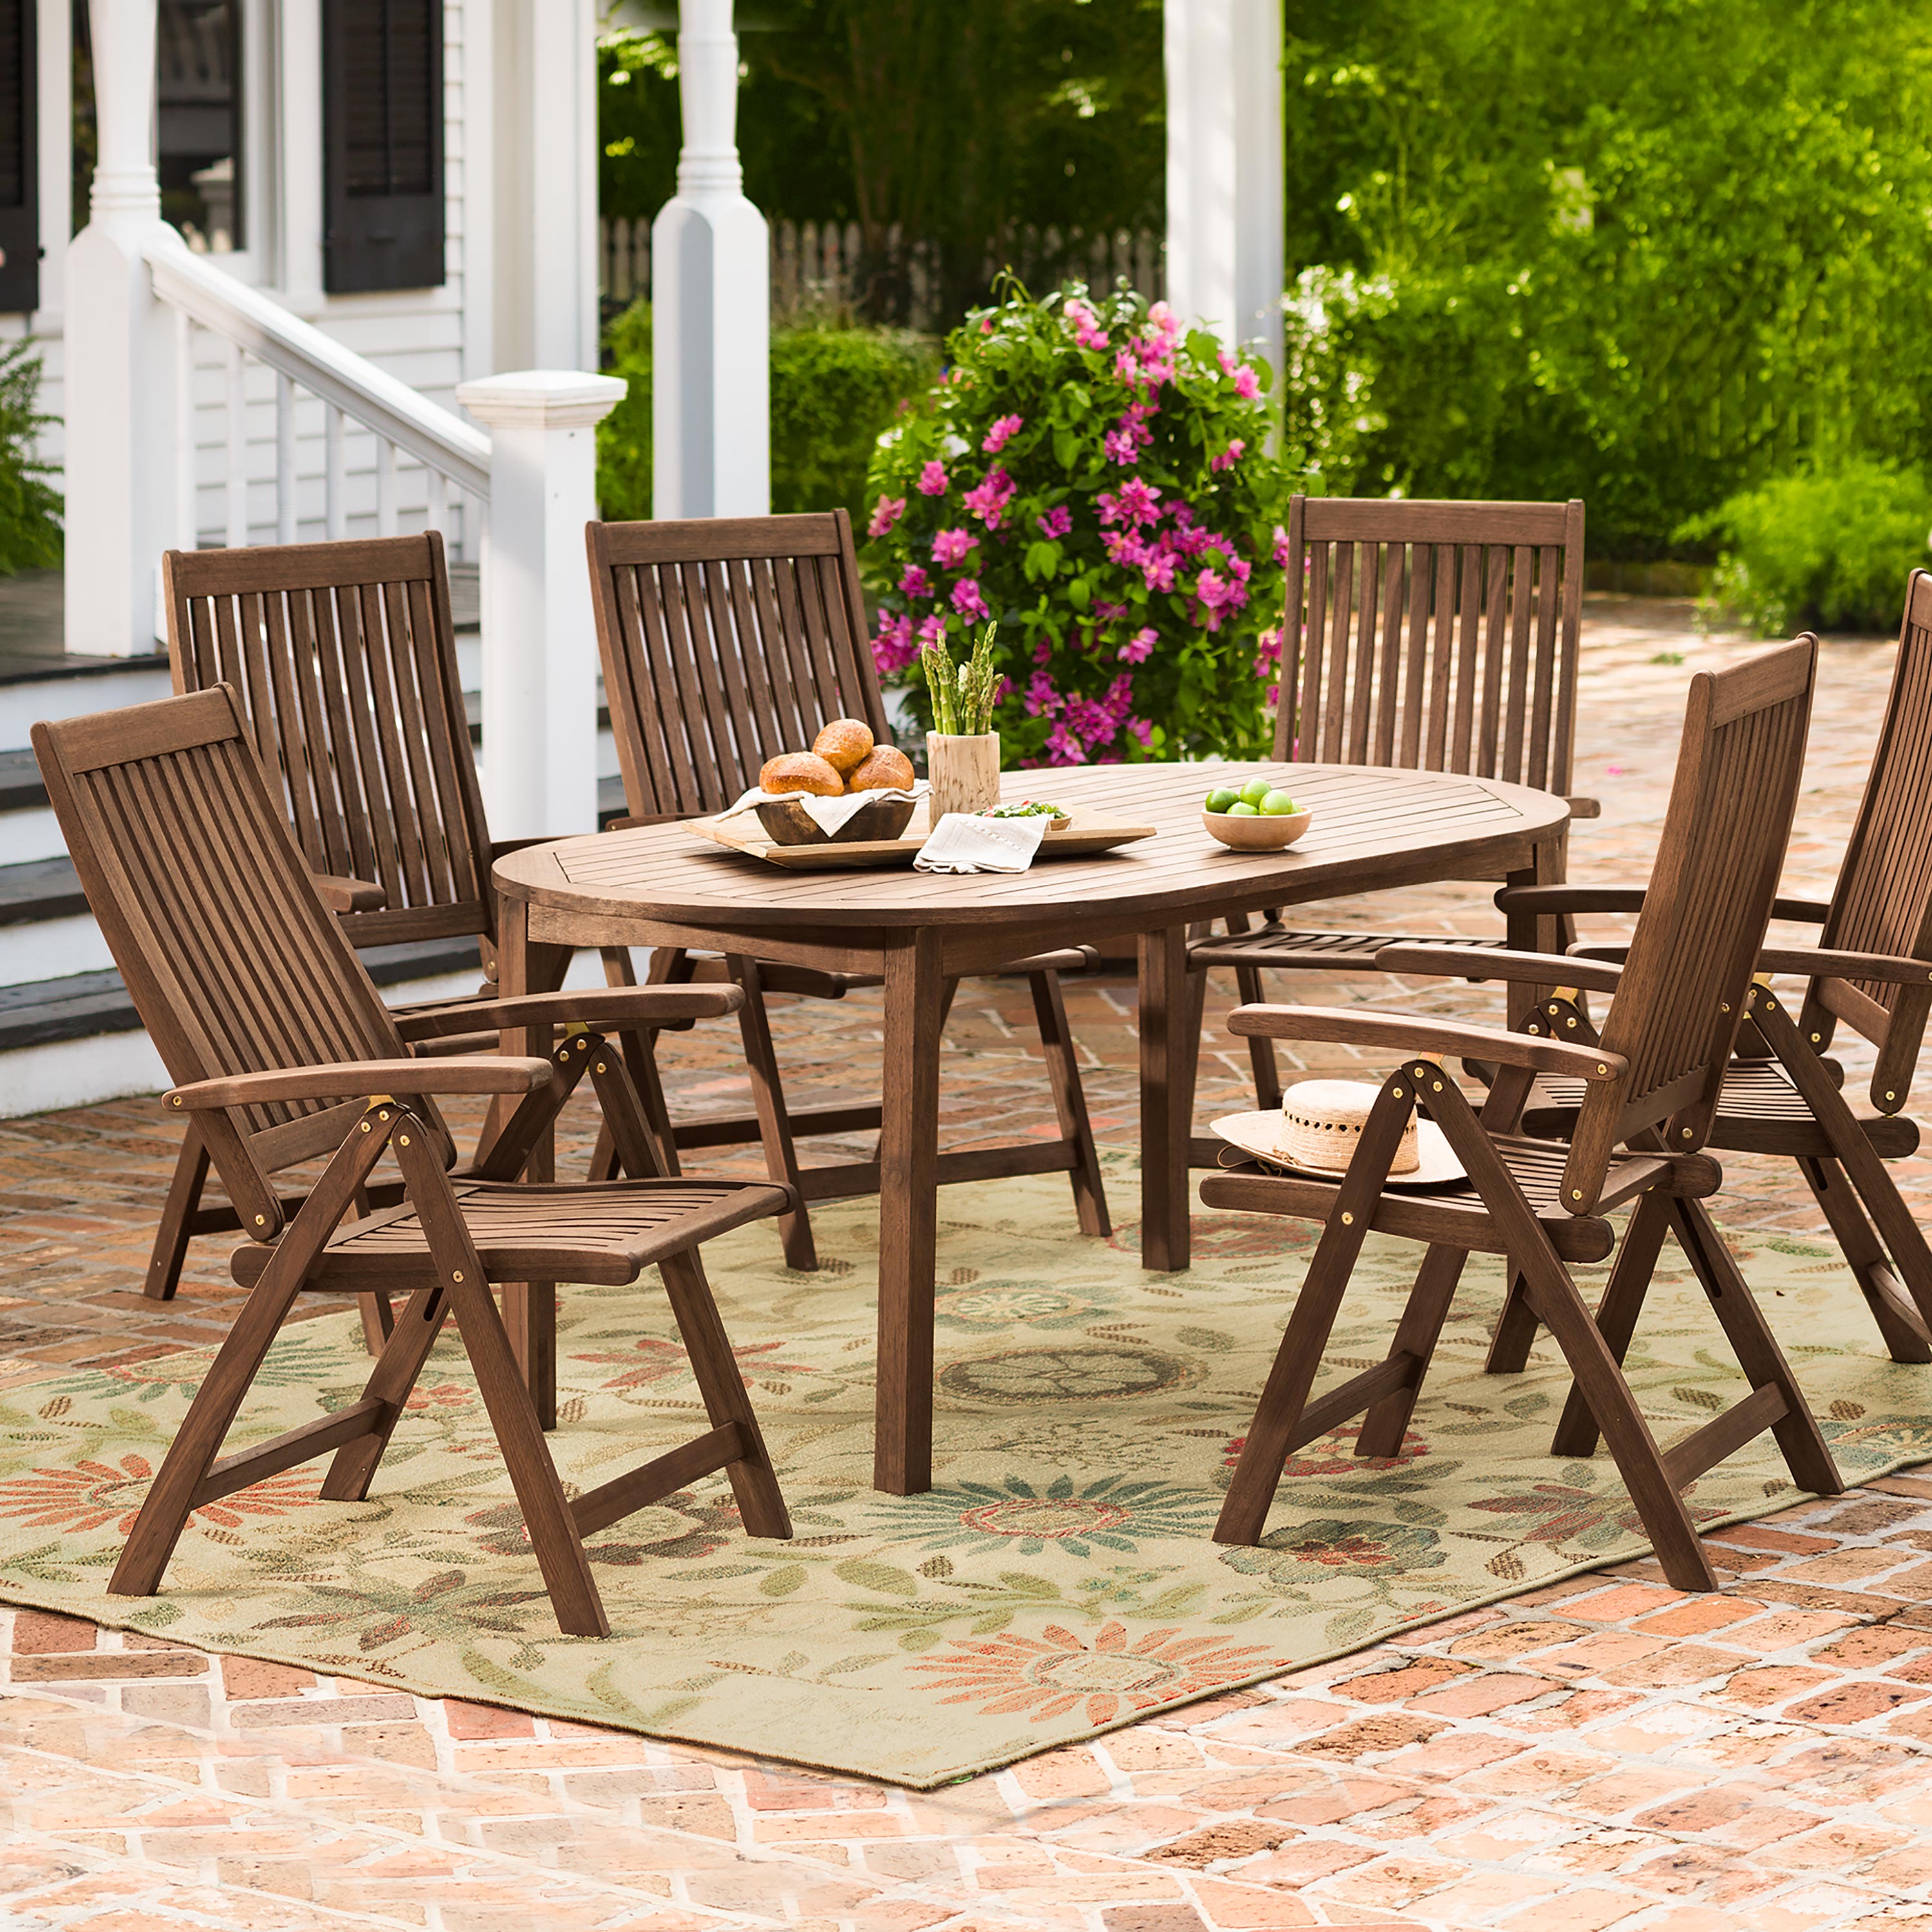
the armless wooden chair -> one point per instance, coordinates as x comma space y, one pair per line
1652, 1087
1436, 637
1871, 971
281, 1050
344, 656
725, 641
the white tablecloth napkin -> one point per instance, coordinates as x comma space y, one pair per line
964, 841
829, 814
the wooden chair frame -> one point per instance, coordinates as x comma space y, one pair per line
343, 655
298, 990
724, 641
1651, 1087
1458, 653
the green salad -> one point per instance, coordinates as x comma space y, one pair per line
1027, 807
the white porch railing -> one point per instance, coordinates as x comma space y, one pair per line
407, 431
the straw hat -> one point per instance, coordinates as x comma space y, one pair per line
1320, 1126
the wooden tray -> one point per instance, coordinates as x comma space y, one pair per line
1082, 838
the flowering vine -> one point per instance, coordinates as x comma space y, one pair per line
1095, 479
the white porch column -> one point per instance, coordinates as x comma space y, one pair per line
1226, 212
710, 298
539, 643
123, 479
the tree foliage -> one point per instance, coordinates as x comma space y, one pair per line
30, 510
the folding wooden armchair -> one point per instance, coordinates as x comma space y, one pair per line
1651, 1087
281, 1050
344, 656
725, 641
1426, 636
1872, 971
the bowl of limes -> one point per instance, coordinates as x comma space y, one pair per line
1260, 816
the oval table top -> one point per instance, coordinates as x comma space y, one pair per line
1368, 822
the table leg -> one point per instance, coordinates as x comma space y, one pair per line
1166, 1089
529, 1308
908, 1215
1533, 933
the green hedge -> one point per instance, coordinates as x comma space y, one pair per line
834, 390
30, 512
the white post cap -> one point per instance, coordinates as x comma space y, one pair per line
542, 398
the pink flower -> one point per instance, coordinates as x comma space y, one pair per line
1137, 502
1247, 384
893, 649
915, 582
1119, 445
950, 546
932, 629
1143, 730
1087, 330
1042, 700
1280, 550
997, 436
989, 500
986, 326
1158, 567
1164, 319
932, 479
1093, 723
1216, 594
1057, 522
1063, 747
1124, 547
886, 512
1138, 647
1267, 652
1107, 612
1043, 651
967, 601
1229, 456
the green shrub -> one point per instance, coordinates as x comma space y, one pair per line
1828, 547
624, 437
1097, 479
30, 511
834, 390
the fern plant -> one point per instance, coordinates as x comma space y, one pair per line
30, 509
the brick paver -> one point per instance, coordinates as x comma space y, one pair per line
1603, 1753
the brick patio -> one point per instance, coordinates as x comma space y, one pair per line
1605, 1753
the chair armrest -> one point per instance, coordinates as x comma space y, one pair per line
618, 1006
1451, 961
1584, 807
355, 1079
1806, 912
1404, 1033
1571, 898
345, 894
1815, 962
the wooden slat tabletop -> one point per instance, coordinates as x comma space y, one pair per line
1362, 816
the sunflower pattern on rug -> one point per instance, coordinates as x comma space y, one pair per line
1060, 1578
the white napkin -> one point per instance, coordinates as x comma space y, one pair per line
829, 814
964, 841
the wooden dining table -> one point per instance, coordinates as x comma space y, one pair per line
662, 885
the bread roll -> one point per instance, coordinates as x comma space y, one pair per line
843, 744
884, 768
800, 771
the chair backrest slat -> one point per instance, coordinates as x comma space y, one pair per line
1436, 636
211, 911
343, 655
1680, 1000
1882, 902
725, 642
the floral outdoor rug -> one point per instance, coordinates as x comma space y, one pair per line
1059, 1580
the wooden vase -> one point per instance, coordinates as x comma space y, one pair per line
965, 772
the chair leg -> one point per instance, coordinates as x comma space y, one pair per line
554, 1539
1516, 1333
1901, 1327
753, 1483
801, 1252
1261, 1049
1416, 1336
1069, 1102
378, 1320
172, 1498
1796, 1432
1617, 1312
171, 1238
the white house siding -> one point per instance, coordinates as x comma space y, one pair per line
417, 336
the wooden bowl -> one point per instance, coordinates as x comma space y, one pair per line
789, 823
1266, 831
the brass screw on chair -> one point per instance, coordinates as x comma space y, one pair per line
402, 1140
1348, 1220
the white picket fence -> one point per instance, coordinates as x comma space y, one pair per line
817, 267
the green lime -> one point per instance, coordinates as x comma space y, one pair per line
1255, 790
1278, 805
1222, 797
1243, 810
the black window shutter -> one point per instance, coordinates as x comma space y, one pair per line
19, 169
381, 93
